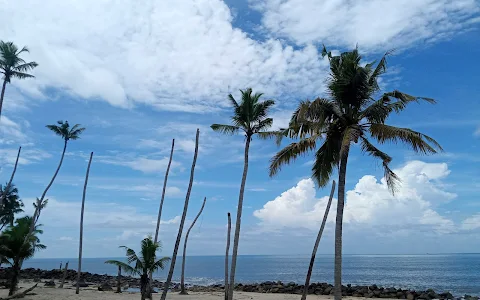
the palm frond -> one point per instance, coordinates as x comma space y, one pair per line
225, 129
262, 125
125, 267
291, 153
21, 75
160, 264
326, 159
419, 142
390, 177
233, 101
265, 135
25, 67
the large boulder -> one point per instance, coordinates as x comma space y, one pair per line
50, 283
105, 287
81, 283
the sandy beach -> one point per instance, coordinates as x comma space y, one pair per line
68, 293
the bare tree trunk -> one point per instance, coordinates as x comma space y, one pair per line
2, 95
229, 230
239, 220
20, 295
182, 222
81, 226
161, 202
182, 280
339, 224
317, 242
40, 201
11, 177
14, 280
64, 276
144, 287
60, 266
119, 282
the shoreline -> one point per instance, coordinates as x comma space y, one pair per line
268, 287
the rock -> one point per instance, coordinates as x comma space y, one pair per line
50, 283
37, 279
468, 297
105, 287
81, 283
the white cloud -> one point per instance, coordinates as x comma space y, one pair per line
174, 55
27, 156
258, 190
369, 203
143, 164
173, 191
373, 24
11, 132
477, 132
65, 238
471, 223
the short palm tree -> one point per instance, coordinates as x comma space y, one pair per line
14, 249
11, 206
351, 115
250, 118
12, 65
67, 133
142, 265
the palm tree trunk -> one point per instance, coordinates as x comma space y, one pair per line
317, 242
144, 287
182, 222
39, 201
182, 280
11, 177
2, 95
229, 230
161, 200
239, 221
64, 275
339, 224
15, 274
119, 282
81, 226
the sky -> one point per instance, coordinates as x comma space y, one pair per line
138, 76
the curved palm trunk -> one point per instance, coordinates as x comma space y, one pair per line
40, 201
64, 275
14, 279
339, 225
119, 282
182, 280
239, 221
81, 226
182, 222
229, 230
161, 201
317, 242
2, 95
11, 177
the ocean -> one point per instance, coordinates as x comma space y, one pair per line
457, 273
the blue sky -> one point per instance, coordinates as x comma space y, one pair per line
136, 77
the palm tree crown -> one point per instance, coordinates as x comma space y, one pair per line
63, 129
11, 64
350, 115
144, 263
250, 116
11, 206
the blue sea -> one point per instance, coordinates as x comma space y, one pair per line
457, 273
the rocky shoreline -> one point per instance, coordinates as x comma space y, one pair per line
105, 282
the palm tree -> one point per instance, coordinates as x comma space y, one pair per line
166, 285
14, 249
250, 117
227, 249
317, 242
351, 115
81, 226
2, 196
142, 265
12, 66
11, 205
67, 133
182, 278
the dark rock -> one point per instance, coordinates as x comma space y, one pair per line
81, 283
105, 287
50, 283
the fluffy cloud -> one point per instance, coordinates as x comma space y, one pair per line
174, 55
370, 203
143, 164
471, 223
373, 24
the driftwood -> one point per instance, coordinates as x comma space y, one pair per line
64, 276
20, 295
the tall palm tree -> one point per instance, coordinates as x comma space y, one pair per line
11, 206
81, 225
2, 196
13, 66
166, 285
14, 249
227, 249
182, 277
355, 112
249, 117
67, 133
142, 264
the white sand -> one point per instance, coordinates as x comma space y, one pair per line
68, 293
